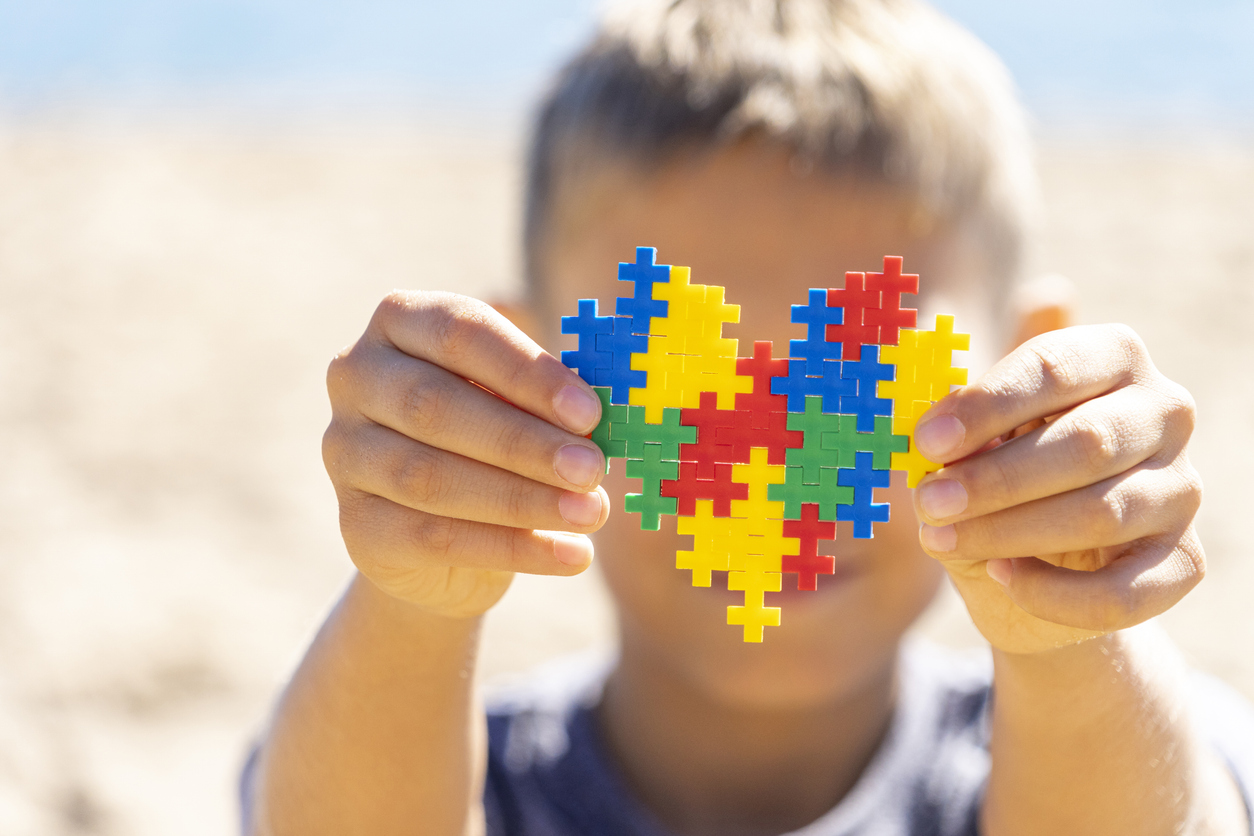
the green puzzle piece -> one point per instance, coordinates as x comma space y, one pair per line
610, 413
825, 493
812, 455
637, 434
649, 503
846, 441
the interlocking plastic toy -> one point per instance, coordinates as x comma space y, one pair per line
760, 456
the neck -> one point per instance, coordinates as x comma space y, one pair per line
706, 766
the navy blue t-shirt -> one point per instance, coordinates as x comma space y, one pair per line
549, 774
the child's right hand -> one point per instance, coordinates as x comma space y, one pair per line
446, 490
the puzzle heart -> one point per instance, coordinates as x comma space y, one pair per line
760, 456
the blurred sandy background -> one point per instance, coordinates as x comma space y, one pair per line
169, 298
184, 243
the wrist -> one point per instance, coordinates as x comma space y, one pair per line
1052, 660
391, 613
446, 591
1136, 652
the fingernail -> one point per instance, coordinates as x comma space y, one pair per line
580, 508
578, 464
1000, 569
572, 549
942, 498
939, 437
576, 409
938, 538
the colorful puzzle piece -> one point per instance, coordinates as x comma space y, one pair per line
636, 433
677, 369
924, 362
649, 503
863, 510
890, 317
713, 539
760, 456
807, 562
798, 386
866, 372
742, 437
760, 402
708, 451
813, 424
826, 493
853, 332
587, 360
610, 414
815, 348
912, 461
643, 305
687, 490
619, 344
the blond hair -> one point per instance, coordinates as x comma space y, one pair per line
889, 88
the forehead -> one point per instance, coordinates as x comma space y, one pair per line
746, 219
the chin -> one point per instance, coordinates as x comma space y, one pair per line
830, 645
794, 668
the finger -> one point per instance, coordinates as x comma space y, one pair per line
1145, 501
1146, 581
425, 478
1096, 440
472, 340
1046, 375
434, 406
383, 536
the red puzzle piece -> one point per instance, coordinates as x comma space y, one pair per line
808, 563
854, 298
709, 449
742, 436
890, 317
760, 403
687, 489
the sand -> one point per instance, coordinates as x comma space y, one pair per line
169, 299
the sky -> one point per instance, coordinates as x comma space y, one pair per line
1115, 60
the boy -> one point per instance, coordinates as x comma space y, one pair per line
770, 146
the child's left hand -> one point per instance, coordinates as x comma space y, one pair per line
1067, 509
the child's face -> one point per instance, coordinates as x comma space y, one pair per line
743, 219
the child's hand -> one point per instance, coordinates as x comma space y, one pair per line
1093, 499
441, 484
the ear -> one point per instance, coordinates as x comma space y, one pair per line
1043, 304
518, 313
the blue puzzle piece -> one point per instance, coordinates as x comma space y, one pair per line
830, 385
587, 358
836, 388
815, 349
618, 374
797, 385
641, 306
863, 478
866, 372
815, 352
